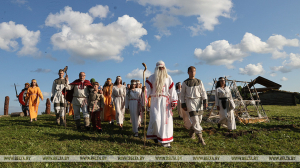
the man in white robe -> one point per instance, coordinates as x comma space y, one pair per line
161, 88
58, 99
193, 96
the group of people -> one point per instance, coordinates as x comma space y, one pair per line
159, 97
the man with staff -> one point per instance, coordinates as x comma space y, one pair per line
58, 99
164, 98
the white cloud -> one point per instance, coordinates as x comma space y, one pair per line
99, 11
20, 2
174, 72
207, 12
163, 21
221, 52
273, 74
40, 70
252, 69
138, 74
158, 37
289, 65
284, 79
46, 94
10, 32
84, 39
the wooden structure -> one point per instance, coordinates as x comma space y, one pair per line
269, 85
6, 105
48, 106
278, 97
242, 112
271, 95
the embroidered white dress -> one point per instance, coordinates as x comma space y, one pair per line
132, 101
161, 120
118, 97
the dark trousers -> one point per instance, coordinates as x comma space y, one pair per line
25, 109
96, 121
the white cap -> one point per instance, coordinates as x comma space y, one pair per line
160, 64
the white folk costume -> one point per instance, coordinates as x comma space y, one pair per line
192, 96
80, 91
182, 113
223, 99
133, 99
58, 99
161, 117
118, 97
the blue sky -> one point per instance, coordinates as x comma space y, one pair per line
107, 38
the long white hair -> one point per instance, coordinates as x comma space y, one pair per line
160, 76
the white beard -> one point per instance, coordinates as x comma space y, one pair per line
160, 76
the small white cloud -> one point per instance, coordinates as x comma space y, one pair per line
210, 83
99, 11
284, 79
163, 21
138, 74
221, 52
158, 37
174, 72
46, 94
289, 65
252, 69
40, 70
273, 74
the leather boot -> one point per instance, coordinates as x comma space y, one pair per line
78, 124
64, 121
200, 139
87, 123
192, 133
57, 119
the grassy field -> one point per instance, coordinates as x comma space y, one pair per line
43, 137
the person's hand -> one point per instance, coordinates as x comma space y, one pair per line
67, 77
17, 95
218, 108
143, 88
184, 108
100, 91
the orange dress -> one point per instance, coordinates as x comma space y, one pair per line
32, 97
71, 110
109, 110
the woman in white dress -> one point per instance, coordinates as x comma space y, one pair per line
225, 105
133, 98
118, 97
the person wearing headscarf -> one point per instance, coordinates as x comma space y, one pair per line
225, 103
32, 98
118, 98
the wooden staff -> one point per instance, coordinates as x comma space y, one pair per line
144, 104
66, 102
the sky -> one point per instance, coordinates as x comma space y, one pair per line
107, 38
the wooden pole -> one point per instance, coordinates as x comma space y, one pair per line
48, 106
145, 112
6, 105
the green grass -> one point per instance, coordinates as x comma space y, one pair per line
43, 137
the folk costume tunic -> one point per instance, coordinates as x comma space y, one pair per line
118, 98
109, 110
80, 91
192, 95
133, 99
179, 109
161, 116
223, 99
32, 98
96, 104
57, 96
